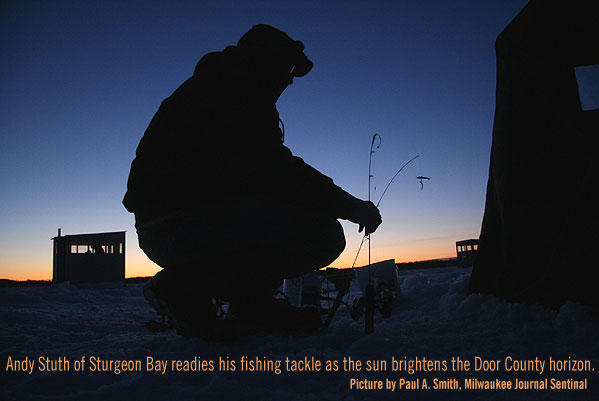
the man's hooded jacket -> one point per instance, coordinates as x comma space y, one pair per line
217, 138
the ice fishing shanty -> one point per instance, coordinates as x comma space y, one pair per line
538, 239
98, 257
466, 251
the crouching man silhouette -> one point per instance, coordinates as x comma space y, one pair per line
222, 205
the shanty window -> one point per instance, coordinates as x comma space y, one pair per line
469, 247
97, 248
78, 248
587, 78
112, 248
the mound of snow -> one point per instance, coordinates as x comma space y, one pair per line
436, 319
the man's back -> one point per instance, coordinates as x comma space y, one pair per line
203, 140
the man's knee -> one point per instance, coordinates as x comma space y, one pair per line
340, 237
324, 246
336, 243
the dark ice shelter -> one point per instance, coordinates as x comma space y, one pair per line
466, 251
538, 241
98, 257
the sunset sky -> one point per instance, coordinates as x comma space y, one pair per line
82, 79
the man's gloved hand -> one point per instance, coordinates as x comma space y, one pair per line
366, 215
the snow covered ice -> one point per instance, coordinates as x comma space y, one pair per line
436, 319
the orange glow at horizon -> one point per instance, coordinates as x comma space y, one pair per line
400, 254
39, 267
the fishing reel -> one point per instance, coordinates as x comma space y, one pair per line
380, 297
383, 298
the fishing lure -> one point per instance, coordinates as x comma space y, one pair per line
421, 178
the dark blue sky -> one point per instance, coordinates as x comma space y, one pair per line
81, 81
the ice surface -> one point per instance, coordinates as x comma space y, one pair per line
436, 318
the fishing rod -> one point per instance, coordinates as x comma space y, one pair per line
344, 288
380, 199
396, 174
369, 307
370, 290
369, 296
